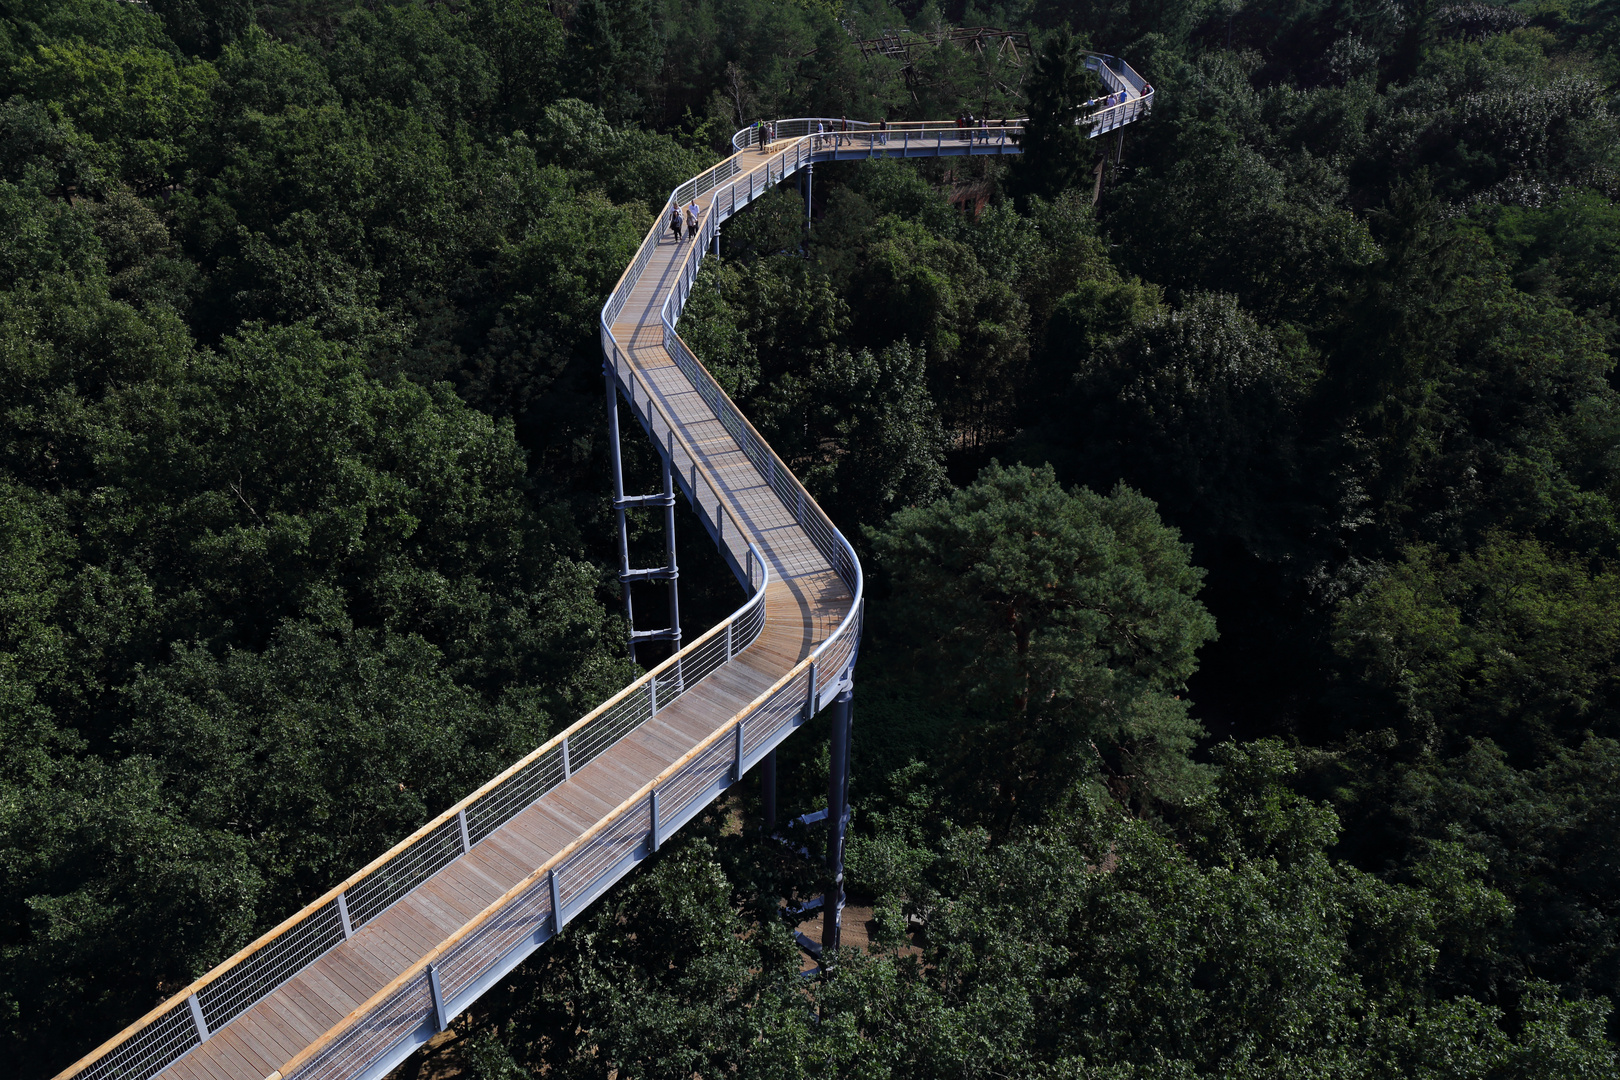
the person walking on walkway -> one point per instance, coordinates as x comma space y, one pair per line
675, 222
692, 212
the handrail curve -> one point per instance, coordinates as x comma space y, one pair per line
1117, 76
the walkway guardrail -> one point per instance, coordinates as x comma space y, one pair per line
189, 1018
1135, 101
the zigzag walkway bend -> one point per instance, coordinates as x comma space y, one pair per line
349, 986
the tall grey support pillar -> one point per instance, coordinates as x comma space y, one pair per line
842, 716
619, 503
809, 192
767, 778
669, 554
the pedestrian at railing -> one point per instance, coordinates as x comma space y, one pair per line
692, 212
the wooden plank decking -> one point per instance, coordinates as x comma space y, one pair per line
804, 604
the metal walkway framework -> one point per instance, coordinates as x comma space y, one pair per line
350, 985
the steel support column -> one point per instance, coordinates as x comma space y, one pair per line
767, 783
842, 716
669, 552
669, 572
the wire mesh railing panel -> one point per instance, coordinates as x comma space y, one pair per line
151, 1050
747, 628
514, 795
616, 302
768, 719
704, 661
471, 957
590, 742
576, 875
235, 991
373, 1036
391, 881
695, 776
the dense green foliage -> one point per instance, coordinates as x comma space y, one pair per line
1241, 695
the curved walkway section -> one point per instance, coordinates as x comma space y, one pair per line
350, 985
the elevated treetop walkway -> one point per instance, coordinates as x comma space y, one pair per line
350, 985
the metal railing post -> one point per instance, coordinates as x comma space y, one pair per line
653, 815
437, 993
466, 839
556, 902
343, 916
197, 1018
669, 551
568, 768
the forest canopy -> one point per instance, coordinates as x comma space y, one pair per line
1239, 494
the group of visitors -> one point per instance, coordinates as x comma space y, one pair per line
1118, 97
840, 132
691, 218
764, 134
975, 128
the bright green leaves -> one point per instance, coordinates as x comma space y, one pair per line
1060, 619
141, 106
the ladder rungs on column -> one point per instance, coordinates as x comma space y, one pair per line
658, 499
656, 573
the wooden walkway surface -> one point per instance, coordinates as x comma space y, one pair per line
804, 604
